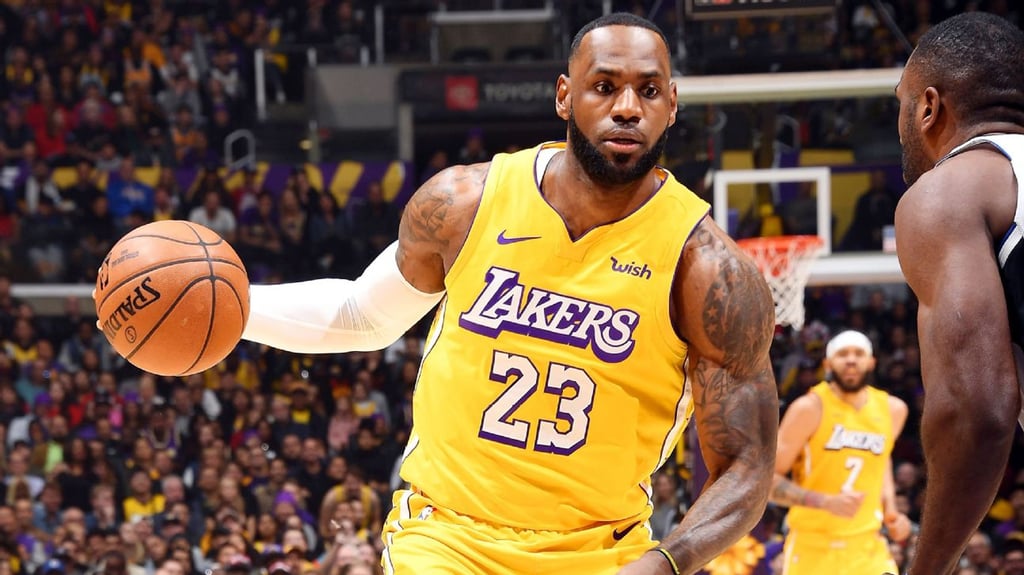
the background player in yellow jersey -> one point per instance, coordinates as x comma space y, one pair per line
836, 440
588, 307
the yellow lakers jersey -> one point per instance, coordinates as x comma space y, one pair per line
848, 451
552, 384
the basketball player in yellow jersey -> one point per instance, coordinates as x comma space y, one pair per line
588, 307
836, 440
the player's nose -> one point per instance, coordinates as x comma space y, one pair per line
626, 108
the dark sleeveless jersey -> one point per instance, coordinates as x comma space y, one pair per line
1009, 249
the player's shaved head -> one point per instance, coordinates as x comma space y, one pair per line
976, 62
615, 19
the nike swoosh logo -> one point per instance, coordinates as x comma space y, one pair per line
618, 535
504, 241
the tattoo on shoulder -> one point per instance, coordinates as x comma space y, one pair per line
738, 314
427, 214
732, 391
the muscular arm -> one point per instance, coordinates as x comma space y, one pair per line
435, 224
971, 396
798, 425
898, 410
725, 312
405, 281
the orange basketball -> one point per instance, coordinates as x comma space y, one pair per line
172, 297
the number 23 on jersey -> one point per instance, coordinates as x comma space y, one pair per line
522, 378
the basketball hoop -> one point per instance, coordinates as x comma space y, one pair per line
785, 262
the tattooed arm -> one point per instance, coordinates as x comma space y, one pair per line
724, 311
435, 224
402, 284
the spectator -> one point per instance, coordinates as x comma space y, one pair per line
438, 161
667, 508
342, 425
19, 483
129, 135
84, 190
214, 215
142, 502
875, 209
376, 223
979, 555
1013, 557
126, 195
17, 142
473, 150
330, 239
184, 133
91, 133
221, 125
38, 186
47, 514
226, 73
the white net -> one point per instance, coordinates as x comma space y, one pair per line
786, 264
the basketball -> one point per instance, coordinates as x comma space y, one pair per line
172, 297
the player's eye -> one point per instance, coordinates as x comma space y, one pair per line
650, 92
603, 88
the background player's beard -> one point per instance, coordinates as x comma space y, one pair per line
913, 158
851, 387
612, 173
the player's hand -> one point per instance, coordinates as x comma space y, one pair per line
844, 504
650, 563
898, 525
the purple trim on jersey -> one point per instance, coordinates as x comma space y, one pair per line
1006, 236
550, 316
538, 181
675, 415
675, 270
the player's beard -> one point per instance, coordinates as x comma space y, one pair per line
617, 172
851, 386
913, 158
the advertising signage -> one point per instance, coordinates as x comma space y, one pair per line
481, 93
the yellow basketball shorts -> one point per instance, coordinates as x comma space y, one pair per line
815, 554
422, 538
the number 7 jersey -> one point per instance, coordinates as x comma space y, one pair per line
553, 384
849, 451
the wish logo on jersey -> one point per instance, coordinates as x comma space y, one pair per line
504, 304
848, 438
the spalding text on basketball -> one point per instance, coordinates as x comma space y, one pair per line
142, 296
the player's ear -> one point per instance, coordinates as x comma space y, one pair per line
930, 108
563, 100
675, 106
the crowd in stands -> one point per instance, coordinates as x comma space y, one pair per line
271, 462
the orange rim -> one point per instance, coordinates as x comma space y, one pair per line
781, 243
773, 255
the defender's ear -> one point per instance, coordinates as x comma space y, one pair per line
929, 108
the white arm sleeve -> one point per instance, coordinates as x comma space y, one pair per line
335, 315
